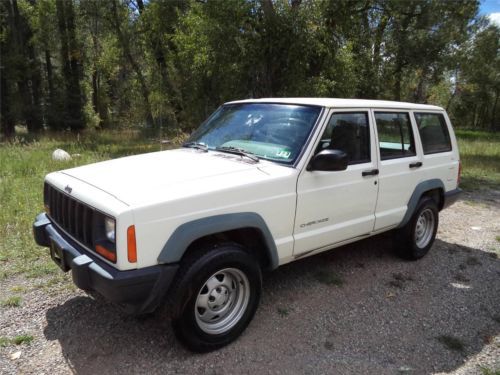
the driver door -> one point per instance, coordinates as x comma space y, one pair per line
336, 206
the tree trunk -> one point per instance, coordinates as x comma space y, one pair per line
128, 55
452, 96
494, 112
7, 127
35, 80
50, 75
95, 92
268, 85
140, 6
397, 83
379, 37
52, 118
28, 71
420, 94
455, 89
6, 121
71, 56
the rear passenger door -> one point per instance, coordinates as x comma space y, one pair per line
399, 165
333, 206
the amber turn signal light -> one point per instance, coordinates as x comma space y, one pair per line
105, 253
131, 245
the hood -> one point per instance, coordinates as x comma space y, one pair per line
169, 174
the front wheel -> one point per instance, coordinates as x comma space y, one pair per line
216, 294
415, 239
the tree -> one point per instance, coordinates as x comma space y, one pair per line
69, 64
21, 71
119, 16
71, 57
478, 83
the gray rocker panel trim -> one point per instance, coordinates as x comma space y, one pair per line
420, 189
185, 234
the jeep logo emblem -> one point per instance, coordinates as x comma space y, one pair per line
69, 189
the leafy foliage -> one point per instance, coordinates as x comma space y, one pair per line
70, 64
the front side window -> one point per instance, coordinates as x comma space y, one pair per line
395, 135
348, 132
276, 132
433, 132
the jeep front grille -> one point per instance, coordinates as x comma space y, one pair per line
71, 215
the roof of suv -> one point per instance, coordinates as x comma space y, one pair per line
342, 103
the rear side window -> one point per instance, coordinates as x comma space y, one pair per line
349, 132
394, 135
433, 132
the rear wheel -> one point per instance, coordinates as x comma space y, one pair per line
415, 239
216, 294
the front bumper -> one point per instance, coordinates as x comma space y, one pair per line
137, 291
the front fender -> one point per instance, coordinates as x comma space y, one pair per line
188, 232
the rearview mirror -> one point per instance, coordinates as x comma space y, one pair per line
329, 160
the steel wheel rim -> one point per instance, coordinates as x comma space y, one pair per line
222, 301
424, 228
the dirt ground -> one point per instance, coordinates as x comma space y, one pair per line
380, 315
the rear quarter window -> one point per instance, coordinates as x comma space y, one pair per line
433, 132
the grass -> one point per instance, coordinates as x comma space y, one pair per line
55, 284
328, 278
4, 341
13, 301
451, 342
16, 340
497, 238
23, 165
18, 289
283, 311
480, 156
476, 204
488, 371
22, 339
25, 161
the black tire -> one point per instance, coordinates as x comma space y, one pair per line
226, 263
407, 244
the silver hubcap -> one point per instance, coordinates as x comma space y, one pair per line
222, 301
424, 228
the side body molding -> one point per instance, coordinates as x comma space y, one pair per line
186, 233
420, 189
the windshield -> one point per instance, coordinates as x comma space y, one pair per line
274, 132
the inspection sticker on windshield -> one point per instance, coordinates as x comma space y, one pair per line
283, 154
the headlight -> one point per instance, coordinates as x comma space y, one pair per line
109, 227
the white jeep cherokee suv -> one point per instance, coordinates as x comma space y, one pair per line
261, 183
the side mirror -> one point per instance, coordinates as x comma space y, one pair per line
329, 160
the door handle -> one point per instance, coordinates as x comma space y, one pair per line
418, 164
372, 172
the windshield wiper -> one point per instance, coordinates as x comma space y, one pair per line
238, 151
197, 145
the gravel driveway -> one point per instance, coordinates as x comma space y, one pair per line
354, 310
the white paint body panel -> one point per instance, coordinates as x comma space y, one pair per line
158, 192
344, 200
